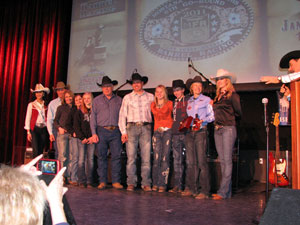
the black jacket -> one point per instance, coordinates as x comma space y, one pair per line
82, 125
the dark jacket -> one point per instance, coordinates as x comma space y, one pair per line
82, 125
64, 117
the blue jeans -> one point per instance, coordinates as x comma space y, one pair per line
63, 146
177, 147
197, 166
86, 161
73, 157
225, 139
161, 156
138, 136
109, 139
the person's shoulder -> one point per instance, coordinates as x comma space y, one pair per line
205, 98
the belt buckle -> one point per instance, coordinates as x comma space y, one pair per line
139, 123
218, 127
160, 129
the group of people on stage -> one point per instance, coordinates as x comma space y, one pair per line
79, 125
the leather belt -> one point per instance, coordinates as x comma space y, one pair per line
111, 127
218, 127
139, 123
162, 129
40, 125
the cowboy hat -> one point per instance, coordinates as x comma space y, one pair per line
190, 81
107, 81
178, 84
137, 76
61, 85
221, 73
285, 60
39, 88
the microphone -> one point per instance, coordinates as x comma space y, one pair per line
265, 102
189, 65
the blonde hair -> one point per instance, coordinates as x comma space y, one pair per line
22, 197
191, 87
70, 93
166, 99
229, 89
83, 107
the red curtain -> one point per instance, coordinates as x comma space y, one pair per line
34, 45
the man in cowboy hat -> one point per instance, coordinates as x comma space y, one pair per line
135, 125
291, 61
179, 114
199, 107
52, 107
106, 133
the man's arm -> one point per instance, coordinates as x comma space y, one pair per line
284, 78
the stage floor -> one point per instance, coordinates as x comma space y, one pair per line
111, 207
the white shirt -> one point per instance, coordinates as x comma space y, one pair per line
52, 107
41, 116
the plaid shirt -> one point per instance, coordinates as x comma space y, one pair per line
135, 108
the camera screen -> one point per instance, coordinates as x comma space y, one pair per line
48, 167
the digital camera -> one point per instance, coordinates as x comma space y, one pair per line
48, 166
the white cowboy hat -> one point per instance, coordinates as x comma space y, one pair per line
40, 87
221, 73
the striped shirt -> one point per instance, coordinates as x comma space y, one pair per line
135, 108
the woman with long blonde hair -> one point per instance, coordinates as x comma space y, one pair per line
162, 111
86, 145
227, 109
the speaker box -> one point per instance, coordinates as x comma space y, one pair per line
282, 208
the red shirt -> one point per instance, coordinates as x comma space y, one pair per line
162, 116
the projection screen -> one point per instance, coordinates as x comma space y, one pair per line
156, 37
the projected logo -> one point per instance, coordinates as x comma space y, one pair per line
199, 29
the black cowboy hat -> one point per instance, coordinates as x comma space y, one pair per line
178, 84
190, 81
137, 76
285, 60
106, 80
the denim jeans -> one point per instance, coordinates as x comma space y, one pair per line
225, 139
86, 161
73, 157
177, 148
138, 136
63, 151
161, 157
197, 166
109, 139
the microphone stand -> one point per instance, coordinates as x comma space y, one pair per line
116, 91
267, 163
211, 88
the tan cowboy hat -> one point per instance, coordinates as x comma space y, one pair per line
221, 73
61, 85
39, 88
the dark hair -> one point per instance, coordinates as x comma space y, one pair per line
45, 98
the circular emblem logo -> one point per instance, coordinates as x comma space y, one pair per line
199, 29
